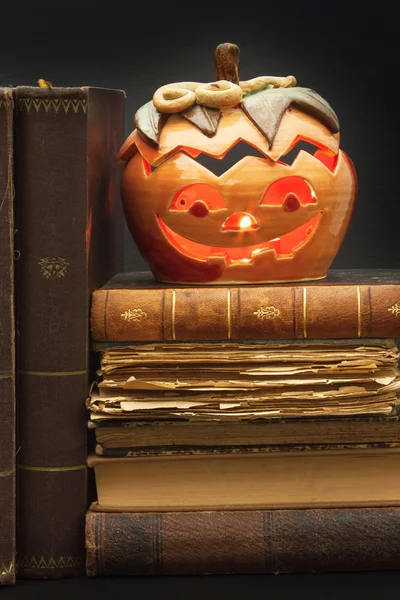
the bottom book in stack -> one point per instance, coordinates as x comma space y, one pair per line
245, 458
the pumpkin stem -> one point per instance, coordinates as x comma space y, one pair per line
227, 62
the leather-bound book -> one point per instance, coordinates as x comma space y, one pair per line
69, 242
7, 358
347, 304
242, 541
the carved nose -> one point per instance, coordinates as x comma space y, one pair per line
240, 221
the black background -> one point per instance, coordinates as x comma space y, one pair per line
349, 52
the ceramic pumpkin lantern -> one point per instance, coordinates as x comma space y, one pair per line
263, 219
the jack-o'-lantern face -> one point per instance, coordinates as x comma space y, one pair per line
266, 218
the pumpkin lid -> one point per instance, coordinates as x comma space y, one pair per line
263, 99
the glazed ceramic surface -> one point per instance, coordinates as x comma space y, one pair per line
262, 220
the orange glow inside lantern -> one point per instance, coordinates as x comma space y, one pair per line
199, 199
265, 218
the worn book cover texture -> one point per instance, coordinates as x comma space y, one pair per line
69, 243
218, 542
347, 304
7, 346
117, 437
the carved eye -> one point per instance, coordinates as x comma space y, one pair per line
290, 192
198, 199
291, 203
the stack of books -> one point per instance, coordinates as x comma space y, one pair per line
219, 452
235, 428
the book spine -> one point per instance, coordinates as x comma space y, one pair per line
233, 542
125, 436
69, 243
7, 346
223, 313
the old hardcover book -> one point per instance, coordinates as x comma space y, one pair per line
241, 381
124, 436
347, 304
264, 541
7, 346
254, 479
175, 450
69, 243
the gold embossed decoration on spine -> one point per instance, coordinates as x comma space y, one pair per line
134, 314
229, 314
395, 309
267, 218
267, 312
52, 562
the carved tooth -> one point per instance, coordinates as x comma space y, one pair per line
219, 259
259, 254
307, 129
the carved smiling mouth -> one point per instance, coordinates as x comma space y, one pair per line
284, 247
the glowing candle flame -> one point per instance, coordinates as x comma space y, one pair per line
240, 222
245, 222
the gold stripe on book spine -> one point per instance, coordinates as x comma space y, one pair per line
6, 374
304, 312
50, 469
229, 311
7, 473
358, 311
173, 307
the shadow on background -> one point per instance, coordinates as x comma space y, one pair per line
346, 51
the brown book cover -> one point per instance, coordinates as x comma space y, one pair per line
7, 346
233, 542
120, 437
347, 304
69, 243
